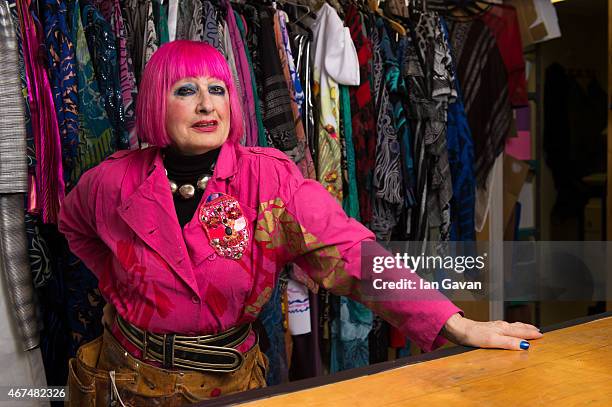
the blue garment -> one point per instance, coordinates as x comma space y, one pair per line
103, 50
352, 321
271, 318
96, 139
461, 162
350, 327
63, 80
398, 93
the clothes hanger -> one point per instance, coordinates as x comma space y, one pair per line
397, 27
296, 19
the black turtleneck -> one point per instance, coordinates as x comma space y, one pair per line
186, 169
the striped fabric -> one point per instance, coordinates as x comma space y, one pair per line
15, 265
13, 165
482, 75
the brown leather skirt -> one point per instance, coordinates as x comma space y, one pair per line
104, 374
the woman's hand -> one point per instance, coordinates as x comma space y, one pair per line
494, 334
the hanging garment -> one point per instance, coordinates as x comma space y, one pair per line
127, 78
335, 62
161, 22
211, 25
101, 42
13, 186
229, 55
27, 115
135, 13
488, 109
397, 92
350, 204
461, 163
503, 23
362, 111
261, 133
350, 329
277, 112
304, 163
111, 11
189, 21
63, 80
302, 46
151, 40
172, 19
438, 58
48, 186
482, 76
243, 78
387, 176
25, 368
96, 138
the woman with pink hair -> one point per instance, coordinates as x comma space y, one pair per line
187, 238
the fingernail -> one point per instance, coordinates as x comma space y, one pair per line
524, 345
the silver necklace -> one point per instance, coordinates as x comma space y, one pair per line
187, 191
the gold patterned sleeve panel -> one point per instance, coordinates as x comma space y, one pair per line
309, 228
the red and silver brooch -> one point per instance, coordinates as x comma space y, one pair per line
225, 225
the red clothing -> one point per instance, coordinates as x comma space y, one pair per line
120, 220
503, 23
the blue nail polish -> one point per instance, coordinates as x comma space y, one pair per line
524, 345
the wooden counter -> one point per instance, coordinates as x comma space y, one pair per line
569, 366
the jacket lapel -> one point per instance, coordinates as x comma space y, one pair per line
149, 212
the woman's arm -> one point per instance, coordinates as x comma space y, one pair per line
327, 244
78, 220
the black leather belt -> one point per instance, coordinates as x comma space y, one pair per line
207, 353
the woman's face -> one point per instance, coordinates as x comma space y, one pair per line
198, 114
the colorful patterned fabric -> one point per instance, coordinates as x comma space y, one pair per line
298, 93
277, 112
111, 11
362, 111
189, 22
151, 40
135, 14
335, 62
48, 186
303, 158
261, 132
292, 220
397, 95
211, 26
63, 81
101, 42
243, 78
387, 176
350, 329
126, 75
96, 138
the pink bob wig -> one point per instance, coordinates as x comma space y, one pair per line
172, 62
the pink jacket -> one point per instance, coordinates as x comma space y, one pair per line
120, 220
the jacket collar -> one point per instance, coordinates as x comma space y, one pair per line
226, 163
147, 206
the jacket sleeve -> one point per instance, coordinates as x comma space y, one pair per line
326, 243
77, 221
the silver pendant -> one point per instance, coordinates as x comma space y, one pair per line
187, 191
